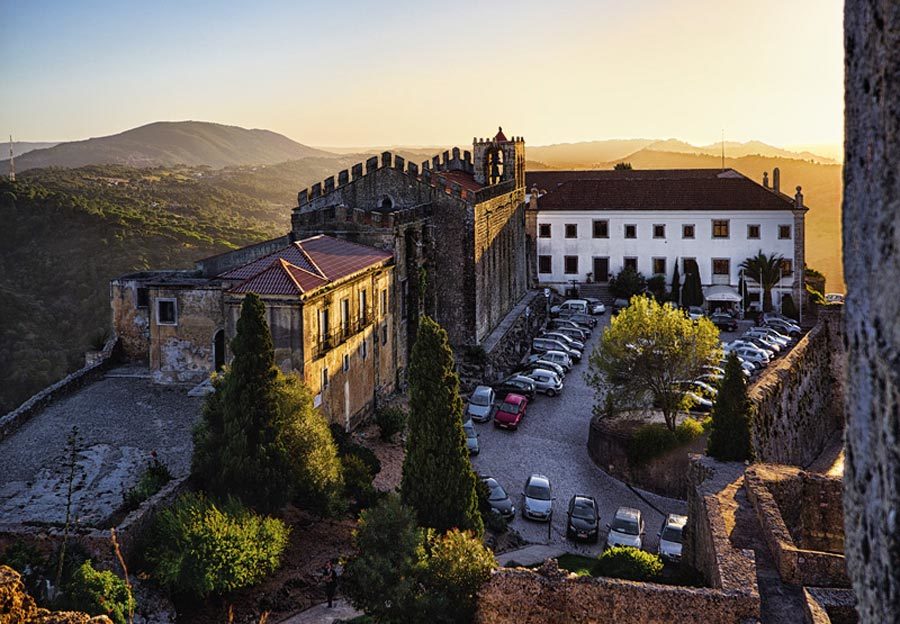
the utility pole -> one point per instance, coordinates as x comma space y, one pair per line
12, 162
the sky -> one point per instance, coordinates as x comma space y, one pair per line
356, 73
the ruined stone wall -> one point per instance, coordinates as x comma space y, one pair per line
871, 210
799, 399
131, 323
183, 353
514, 343
548, 596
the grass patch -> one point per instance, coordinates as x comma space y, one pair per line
577, 564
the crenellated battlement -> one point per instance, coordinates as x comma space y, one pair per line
342, 214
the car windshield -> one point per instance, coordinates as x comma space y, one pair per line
537, 491
511, 408
480, 398
497, 493
672, 534
470, 430
628, 526
583, 509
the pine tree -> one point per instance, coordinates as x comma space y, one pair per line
729, 438
260, 438
438, 481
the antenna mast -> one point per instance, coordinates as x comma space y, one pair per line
12, 162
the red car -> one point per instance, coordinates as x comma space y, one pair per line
510, 413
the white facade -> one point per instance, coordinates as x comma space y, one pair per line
660, 240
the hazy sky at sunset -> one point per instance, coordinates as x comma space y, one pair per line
380, 73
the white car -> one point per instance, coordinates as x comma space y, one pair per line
627, 528
481, 404
546, 381
537, 361
767, 341
769, 353
596, 307
769, 334
537, 499
572, 343
572, 306
671, 537
834, 298
695, 313
754, 356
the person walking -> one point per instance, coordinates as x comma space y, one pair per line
330, 577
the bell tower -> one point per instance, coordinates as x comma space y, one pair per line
499, 160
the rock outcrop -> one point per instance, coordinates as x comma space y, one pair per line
18, 607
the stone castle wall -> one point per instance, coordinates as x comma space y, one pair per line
800, 398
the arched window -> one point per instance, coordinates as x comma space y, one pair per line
387, 204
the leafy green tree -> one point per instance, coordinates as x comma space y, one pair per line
676, 284
646, 350
382, 579
729, 437
766, 270
200, 548
626, 562
458, 564
627, 283
98, 592
438, 481
260, 438
692, 291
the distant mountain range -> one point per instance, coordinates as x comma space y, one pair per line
167, 143
23, 147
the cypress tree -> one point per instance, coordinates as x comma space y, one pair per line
438, 481
692, 291
729, 437
676, 284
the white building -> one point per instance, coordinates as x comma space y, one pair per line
589, 225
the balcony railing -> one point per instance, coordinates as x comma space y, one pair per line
340, 335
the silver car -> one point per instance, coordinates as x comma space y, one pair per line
627, 528
537, 499
481, 404
558, 357
545, 381
670, 538
471, 437
572, 343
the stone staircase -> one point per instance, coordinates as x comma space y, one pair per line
598, 291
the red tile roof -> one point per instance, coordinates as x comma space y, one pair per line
463, 178
500, 138
548, 180
305, 265
692, 189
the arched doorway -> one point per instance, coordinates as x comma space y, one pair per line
219, 349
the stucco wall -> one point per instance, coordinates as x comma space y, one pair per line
800, 398
183, 352
132, 324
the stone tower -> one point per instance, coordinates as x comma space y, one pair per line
499, 160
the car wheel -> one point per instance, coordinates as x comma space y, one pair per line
551, 392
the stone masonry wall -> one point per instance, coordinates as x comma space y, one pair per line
549, 596
800, 398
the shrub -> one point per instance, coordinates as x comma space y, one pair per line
625, 562
201, 548
815, 296
390, 420
458, 564
154, 477
650, 441
99, 593
626, 284
688, 430
358, 480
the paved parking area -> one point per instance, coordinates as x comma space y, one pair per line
552, 440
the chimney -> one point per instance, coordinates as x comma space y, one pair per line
766, 179
776, 179
798, 199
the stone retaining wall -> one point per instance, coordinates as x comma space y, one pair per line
89, 373
550, 595
800, 398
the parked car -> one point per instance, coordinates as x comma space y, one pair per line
595, 306
713, 379
575, 345
700, 387
471, 437
571, 306
748, 368
752, 355
670, 538
769, 353
775, 316
518, 384
585, 320
723, 321
578, 335
511, 411
618, 305
783, 327
542, 345
769, 335
498, 499
568, 324
481, 403
699, 403
537, 361
764, 342
627, 528
834, 298
558, 357
695, 313
583, 519
546, 381
537, 499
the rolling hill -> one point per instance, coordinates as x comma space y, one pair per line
167, 143
23, 147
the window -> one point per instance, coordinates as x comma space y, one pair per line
631, 231
721, 266
345, 316
720, 228
545, 264
601, 229
787, 267
384, 302
689, 264
166, 312
384, 331
571, 265
324, 330
659, 231
687, 230
346, 366
364, 348
784, 232
630, 264
659, 266
324, 380
142, 297
544, 230
753, 230
571, 230
363, 310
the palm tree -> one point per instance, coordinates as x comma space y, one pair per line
767, 271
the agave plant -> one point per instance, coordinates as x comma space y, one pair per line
767, 271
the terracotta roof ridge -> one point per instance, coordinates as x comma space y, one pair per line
286, 268
306, 254
294, 267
